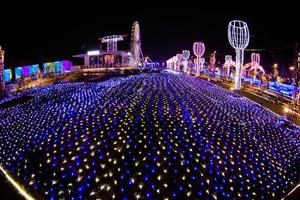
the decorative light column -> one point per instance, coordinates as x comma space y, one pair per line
174, 60
2, 82
202, 61
228, 61
255, 59
185, 56
238, 37
198, 49
178, 61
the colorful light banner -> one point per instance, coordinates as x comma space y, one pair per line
27, 71
7, 75
57, 67
50, 67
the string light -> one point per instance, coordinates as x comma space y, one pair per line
178, 137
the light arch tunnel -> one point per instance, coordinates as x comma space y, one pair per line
247, 68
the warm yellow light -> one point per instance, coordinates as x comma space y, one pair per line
286, 110
292, 68
16, 185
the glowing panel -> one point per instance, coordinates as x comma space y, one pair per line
18, 72
34, 70
7, 75
93, 53
48, 67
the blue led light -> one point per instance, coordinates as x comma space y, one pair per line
151, 136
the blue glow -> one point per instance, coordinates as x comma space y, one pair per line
152, 136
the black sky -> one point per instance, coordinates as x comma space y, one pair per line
37, 32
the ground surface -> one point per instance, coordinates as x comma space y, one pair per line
150, 136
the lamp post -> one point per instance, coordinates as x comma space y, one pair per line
238, 36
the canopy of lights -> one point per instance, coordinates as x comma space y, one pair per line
147, 136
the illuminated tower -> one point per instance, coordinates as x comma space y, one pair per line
2, 83
135, 46
255, 59
238, 36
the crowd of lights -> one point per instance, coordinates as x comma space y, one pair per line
27, 71
149, 136
57, 67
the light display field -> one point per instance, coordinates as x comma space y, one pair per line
149, 136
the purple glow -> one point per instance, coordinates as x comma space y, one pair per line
26, 71
198, 49
255, 58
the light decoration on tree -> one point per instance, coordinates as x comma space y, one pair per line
254, 66
198, 49
255, 59
171, 62
174, 61
238, 36
228, 63
168, 62
185, 57
178, 61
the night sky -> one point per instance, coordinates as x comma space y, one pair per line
45, 32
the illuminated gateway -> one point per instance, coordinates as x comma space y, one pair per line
113, 58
